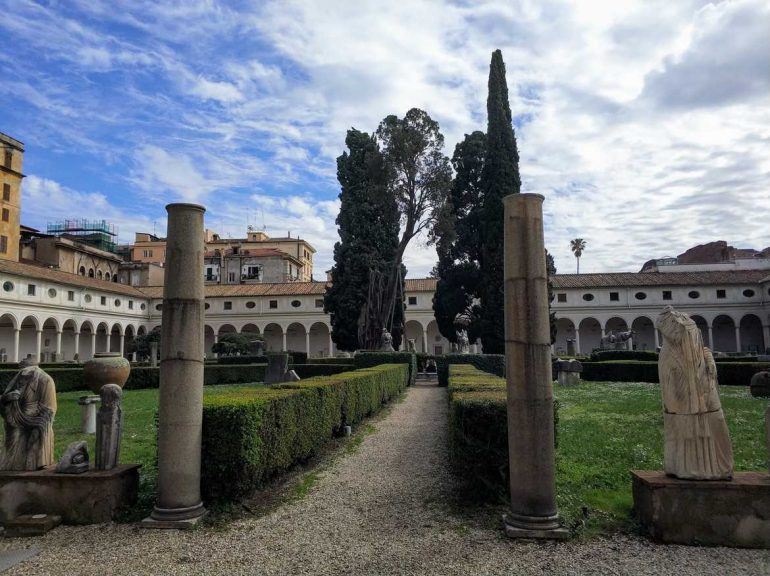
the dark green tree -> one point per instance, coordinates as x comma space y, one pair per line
142, 344
235, 344
459, 241
368, 224
550, 267
419, 178
500, 177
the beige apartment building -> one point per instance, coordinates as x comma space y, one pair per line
11, 157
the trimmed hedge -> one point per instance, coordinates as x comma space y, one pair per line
333, 360
69, 379
606, 355
365, 359
252, 433
248, 359
728, 373
478, 429
490, 363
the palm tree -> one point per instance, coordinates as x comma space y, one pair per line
577, 245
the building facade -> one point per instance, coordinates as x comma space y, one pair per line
11, 159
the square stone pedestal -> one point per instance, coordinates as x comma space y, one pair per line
704, 512
90, 498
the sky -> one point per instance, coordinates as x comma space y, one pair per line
646, 125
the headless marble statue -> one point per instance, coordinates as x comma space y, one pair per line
28, 406
697, 442
109, 421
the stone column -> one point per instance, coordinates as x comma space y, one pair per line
122, 344
766, 338
180, 413
58, 345
331, 345
307, 343
657, 337
77, 345
216, 340
16, 333
531, 456
737, 338
39, 346
577, 340
283, 340
711, 337
424, 341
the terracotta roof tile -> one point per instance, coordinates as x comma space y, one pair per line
619, 279
53, 275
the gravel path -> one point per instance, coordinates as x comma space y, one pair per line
379, 510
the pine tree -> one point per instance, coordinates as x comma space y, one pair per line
368, 224
499, 179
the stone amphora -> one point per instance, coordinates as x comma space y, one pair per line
106, 368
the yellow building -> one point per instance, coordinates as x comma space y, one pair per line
148, 248
11, 156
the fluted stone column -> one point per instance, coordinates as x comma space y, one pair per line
528, 374
180, 416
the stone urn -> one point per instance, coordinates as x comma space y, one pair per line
106, 368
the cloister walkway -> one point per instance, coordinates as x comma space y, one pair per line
381, 509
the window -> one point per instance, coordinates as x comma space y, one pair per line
8, 286
71, 295
748, 293
640, 295
319, 302
212, 273
143, 307
52, 293
721, 293
206, 306
87, 298
7, 192
99, 274
693, 294
159, 307
117, 303
250, 305
6, 215
614, 296
231, 276
273, 304
296, 303
130, 304
148, 253
107, 276
413, 300
103, 300
251, 272
561, 297
588, 297
667, 294
90, 272
82, 271
228, 305
30, 289
8, 158
3, 244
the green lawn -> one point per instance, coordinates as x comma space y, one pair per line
606, 429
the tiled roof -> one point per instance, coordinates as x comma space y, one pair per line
283, 288
52, 275
619, 279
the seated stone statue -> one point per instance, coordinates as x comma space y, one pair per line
697, 442
386, 341
28, 406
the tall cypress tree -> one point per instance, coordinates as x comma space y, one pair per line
500, 177
368, 224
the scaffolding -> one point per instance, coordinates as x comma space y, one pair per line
97, 233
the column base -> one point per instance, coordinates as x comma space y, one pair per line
537, 527
174, 518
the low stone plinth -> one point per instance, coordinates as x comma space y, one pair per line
704, 512
89, 498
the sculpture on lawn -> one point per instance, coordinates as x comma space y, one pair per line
109, 424
28, 407
386, 341
616, 340
697, 442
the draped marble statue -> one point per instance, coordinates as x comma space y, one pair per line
697, 442
109, 424
28, 406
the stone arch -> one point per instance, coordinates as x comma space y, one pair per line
82, 271
273, 334
320, 341
296, 337
250, 328
723, 329
68, 330
644, 333
590, 334
8, 326
226, 329
107, 276
90, 272
49, 339
565, 330
116, 331
99, 274
413, 330
141, 331
208, 339
437, 344
29, 327
703, 326
752, 338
